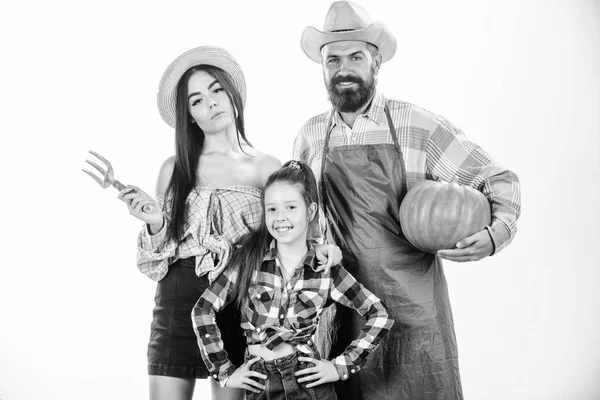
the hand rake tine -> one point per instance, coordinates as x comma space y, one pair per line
104, 160
99, 168
94, 176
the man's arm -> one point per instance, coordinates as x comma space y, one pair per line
450, 155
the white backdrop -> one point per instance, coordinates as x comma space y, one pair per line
521, 78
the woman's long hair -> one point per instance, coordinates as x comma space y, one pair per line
189, 141
254, 246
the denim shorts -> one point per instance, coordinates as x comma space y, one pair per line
173, 347
282, 384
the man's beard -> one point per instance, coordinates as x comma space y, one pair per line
350, 100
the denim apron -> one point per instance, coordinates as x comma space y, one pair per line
361, 189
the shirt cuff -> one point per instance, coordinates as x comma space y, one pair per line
223, 382
152, 242
344, 367
223, 373
500, 235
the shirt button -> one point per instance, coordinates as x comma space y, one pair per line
257, 329
281, 316
258, 296
207, 335
345, 376
308, 341
215, 376
353, 370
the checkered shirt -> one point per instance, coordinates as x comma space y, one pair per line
216, 218
277, 312
433, 149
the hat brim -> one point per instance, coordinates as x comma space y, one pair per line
203, 55
376, 33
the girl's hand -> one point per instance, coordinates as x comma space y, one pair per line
135, 198
324, 371
242, 377
328, 255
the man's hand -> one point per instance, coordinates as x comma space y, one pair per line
475, 247
328, 255
324, 371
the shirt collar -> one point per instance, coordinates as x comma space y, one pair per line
310, 260
375, 112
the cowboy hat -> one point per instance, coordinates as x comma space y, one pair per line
203, 55
347, 21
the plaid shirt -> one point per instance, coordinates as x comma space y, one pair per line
277, 312
216, 218
433, 149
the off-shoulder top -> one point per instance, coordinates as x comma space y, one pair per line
216, 219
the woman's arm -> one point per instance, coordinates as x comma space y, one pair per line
154, 252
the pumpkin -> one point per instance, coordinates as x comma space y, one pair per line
437, 215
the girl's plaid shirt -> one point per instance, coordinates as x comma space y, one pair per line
277, 312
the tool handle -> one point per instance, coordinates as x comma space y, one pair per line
148, 209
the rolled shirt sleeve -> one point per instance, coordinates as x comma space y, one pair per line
214, 299
451, 156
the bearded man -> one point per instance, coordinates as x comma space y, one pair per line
367, 152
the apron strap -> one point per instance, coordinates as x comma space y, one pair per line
398, 150
392, 129
329, 128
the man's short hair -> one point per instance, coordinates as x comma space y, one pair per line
374, 50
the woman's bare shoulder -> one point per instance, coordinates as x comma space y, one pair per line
264, 163
164, 175
268, 163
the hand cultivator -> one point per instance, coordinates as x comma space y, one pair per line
108, 178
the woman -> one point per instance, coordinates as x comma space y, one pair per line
208, 196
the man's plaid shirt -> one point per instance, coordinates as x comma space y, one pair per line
278, 312
433, 149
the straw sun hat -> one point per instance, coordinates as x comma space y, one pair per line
207, 55
348, 21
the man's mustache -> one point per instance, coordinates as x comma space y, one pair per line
348, 78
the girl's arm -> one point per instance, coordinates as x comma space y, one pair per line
348, 292
214, 299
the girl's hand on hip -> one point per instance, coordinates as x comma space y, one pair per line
328, 255
135, 198
242, 377
323, 371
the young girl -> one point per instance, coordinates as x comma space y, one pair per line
273, 278
208, 197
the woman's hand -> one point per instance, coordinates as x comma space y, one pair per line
328, 255
135, 198
242, 377
475, 247
323, 371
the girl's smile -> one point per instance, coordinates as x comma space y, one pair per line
286, 213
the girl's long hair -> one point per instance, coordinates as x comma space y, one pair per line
189, 140
254, 246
